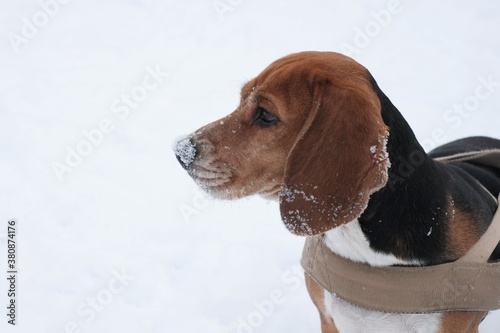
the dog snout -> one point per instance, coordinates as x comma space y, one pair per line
186, 152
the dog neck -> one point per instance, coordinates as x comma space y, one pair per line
406, 218
350, 242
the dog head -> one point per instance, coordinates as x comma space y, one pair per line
309, 131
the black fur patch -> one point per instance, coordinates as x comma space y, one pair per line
409, 217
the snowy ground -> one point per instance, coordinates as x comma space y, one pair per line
121, 240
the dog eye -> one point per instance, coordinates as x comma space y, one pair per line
264, 118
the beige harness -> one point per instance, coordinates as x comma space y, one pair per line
468, 284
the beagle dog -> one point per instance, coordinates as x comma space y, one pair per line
315, 131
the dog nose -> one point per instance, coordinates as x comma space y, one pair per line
185, 152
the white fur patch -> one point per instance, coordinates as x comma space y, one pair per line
350, 242
353, 319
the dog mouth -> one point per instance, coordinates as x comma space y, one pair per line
211, 179
207, 177
212, 175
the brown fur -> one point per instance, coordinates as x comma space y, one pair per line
318, 297
337, 136
462, 233
461, 322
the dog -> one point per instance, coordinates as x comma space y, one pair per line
315, 131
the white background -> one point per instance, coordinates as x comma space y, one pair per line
197, 265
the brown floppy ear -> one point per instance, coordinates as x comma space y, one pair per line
339, 159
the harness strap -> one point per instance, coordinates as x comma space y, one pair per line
484, 247
468, 284
490, 157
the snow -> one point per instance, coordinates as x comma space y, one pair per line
92, 79
288, 194
186, 151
